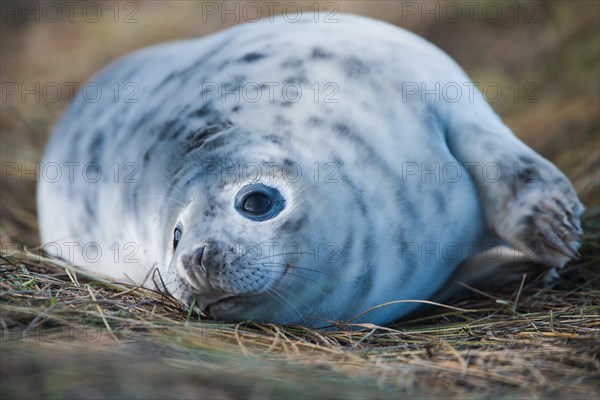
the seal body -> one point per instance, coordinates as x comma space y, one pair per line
294, 173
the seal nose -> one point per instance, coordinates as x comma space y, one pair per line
206, 264
195, 270
203, 273
197, 261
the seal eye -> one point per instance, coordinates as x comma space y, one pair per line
256, 203
177, 236
259, 202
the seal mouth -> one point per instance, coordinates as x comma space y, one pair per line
218, 304
224, 304
228, 303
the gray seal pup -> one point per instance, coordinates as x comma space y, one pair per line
296, 173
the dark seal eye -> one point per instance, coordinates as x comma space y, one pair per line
177, 236
256, 203
259, 202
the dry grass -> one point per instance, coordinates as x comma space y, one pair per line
66, 333
77, 335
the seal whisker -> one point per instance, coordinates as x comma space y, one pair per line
167, 198
301, 279
175, 208
285, 301
172, 184
291, 273
294, 267
280, 284
304, 253
256, 245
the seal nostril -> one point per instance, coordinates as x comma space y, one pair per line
197, 259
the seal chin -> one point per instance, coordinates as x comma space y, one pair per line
206, 300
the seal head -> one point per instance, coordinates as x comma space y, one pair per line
250, 241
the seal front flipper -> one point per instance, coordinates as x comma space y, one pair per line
526, 200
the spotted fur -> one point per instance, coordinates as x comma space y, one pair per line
368, 232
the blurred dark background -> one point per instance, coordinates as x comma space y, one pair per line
543, 55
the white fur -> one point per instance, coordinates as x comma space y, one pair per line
370, 61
